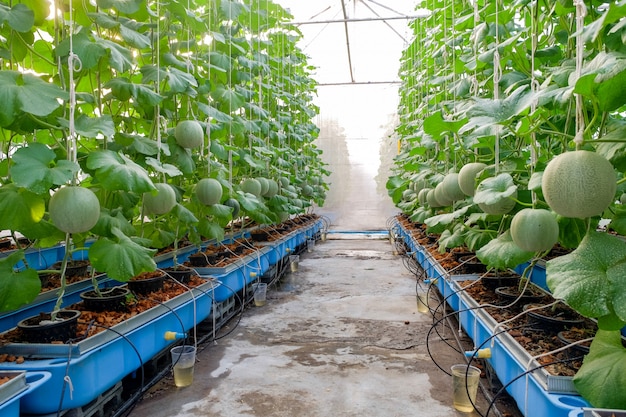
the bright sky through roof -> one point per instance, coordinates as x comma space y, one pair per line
375, 47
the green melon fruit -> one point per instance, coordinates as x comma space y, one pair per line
189, 134
418, 185
307, 190
297, 202
252, 186
265, 185
284, 181
622, 198
209, 191
408, 195
283, 216
421, 196
431, 199
74, 209
451, 188
272, 190
467, 177
441, 196
579, 184
534, 230
234, 204
160, 202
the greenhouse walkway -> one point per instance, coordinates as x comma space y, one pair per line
339, 337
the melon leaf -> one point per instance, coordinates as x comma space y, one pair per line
115, 171
601, 378
34, 168
17, 288
503, 253
591, 279
494, 189
121, 258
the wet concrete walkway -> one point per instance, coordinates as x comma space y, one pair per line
340, 337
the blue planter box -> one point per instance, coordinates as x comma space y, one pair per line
538, 394
21, 384
96, 364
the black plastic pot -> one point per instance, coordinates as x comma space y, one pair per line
111, 299
39, 329
259, 236
143, 286
471, 265
181, 274
508, 295
496, 279
574, 351
553, 318
74, 268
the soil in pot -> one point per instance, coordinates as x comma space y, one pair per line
40, 328
259, 236
109, 299
147, 282
74, 268
180, 273
554, 318
6, 243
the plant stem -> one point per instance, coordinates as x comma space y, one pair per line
61, 293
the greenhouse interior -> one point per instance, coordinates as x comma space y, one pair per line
311, 208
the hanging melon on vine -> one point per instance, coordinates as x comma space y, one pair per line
189, 134
209, 191
74, 209
161, 201
534, 230
579, 184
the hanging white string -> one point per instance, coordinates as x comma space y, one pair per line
497, 74
158, 83
581, 12
474, 80
534, 87
73, 64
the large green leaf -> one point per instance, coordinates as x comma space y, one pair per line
115, 171
19, 17
91, 127
35, 168
487, 112
19, 208
211, 230
17, 288
26, 93
503, 253
493, 190
592, 278
605, 78
163, 168
121, 259
178, 81
602, 377
86, 49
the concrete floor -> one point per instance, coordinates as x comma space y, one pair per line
340, 337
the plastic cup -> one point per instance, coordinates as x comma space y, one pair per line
310, 244
183, 360
259, 291
294, 260
465, 385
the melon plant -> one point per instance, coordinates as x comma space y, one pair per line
74, 209
252, 186
189, 134
496, 195
579, 184
209, 191
234, 204
534, 230
467, 177
161, 201
450, 187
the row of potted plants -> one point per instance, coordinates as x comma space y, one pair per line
131, 126
136, 327
511, 144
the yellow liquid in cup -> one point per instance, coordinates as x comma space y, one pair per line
183, 376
